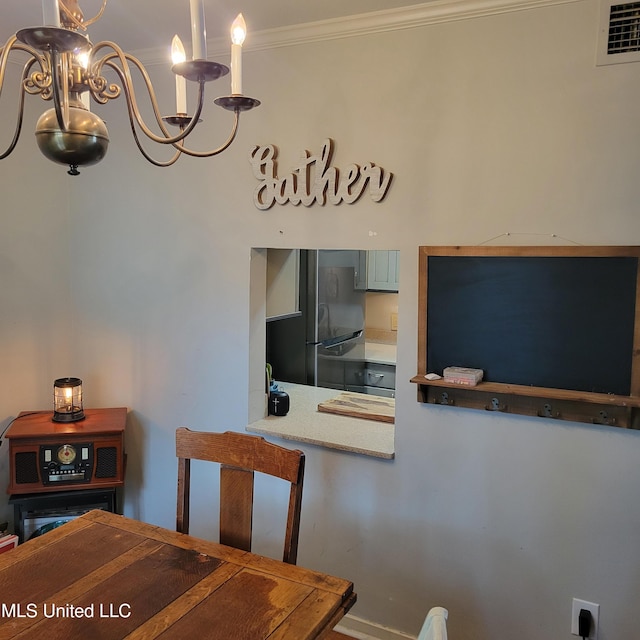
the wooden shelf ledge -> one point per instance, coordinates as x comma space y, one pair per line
563, 404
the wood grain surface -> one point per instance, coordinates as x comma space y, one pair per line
359, 405
106, 576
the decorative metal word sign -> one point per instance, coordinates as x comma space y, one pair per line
314, 180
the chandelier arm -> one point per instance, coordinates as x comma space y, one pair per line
157, 163
132, 106
16, 134
85, 23
4, 58
135, 115
132, 124
220, 149
39, 82
127, 83
13, 44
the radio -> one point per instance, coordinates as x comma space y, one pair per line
50, 456
66, 463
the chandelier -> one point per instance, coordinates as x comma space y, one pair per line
65, 68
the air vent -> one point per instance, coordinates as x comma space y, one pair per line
619, 34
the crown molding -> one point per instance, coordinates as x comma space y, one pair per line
411, 17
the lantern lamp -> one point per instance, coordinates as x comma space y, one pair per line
67, 400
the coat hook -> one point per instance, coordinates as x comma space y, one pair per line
603, 418
547, 412
495, 405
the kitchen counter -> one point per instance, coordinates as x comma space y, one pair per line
304, 423
374, 352
380, 353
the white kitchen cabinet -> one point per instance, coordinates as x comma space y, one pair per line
283, 283
383, 270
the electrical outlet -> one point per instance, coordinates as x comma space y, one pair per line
575, 612
394, 321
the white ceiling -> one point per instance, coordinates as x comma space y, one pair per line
143, 24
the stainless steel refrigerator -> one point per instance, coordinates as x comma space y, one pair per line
313, 346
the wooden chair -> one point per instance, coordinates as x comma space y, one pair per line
239, 455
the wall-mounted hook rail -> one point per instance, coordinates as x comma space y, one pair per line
557, 404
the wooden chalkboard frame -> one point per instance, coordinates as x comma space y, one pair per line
567, 404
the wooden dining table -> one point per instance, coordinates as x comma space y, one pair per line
104, 576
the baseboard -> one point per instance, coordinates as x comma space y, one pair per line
365, 630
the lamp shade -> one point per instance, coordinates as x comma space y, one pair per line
67, 400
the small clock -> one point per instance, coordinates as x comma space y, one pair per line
66, 454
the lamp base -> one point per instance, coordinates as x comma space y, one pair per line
72, 416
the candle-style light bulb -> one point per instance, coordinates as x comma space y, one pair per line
82, 59
51, 13
238, 34
68, 397
198, 30
178, 55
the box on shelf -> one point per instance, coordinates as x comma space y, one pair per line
8, 542
463, 375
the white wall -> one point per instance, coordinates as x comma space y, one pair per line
493, 125
37, 327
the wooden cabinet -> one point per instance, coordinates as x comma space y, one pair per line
47, 456
360, 376
283, 283
331, 373
381, 376
379, 270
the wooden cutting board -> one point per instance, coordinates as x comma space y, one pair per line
360, 405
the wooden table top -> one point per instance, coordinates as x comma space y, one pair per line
105, 576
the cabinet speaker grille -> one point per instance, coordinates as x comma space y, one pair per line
106, 462
26, 467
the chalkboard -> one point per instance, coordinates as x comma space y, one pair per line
560, 319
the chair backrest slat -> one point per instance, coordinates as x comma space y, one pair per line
239, 455
236, 507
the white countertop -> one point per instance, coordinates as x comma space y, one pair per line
375, 352
380, 353
304, 423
